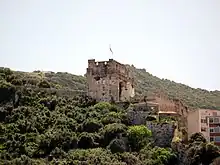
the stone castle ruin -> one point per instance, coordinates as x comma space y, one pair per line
112, 81
109, 81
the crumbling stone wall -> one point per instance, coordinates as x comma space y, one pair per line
138, 112
109, 81
174, 105
137, 117
162, 133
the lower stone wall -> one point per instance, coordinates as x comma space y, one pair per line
137, 113
162, 133
137, 118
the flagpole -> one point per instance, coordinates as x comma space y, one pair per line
111, 55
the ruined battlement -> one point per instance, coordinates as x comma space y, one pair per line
105, 68
109, 81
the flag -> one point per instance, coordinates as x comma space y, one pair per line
110, 49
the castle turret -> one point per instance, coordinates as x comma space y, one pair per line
109, 80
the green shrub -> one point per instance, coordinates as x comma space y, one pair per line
117, 145
130, 159
138, 136
2, 76
157, 155
199, 151
4, 84
58, 153
92, 156
103, 105
44, 84
32, 81
111, 131
86, 140
7, 91
197, 137
112, 117
17, 82
91, 126
6, 71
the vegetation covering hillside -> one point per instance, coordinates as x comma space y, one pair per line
145, 84
198, 98
40, 125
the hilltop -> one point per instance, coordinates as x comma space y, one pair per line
145, 84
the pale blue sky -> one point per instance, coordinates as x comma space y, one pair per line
174, 39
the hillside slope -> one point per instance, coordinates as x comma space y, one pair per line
145, 84
38, 126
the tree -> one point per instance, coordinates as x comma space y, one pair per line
44, 84
111, 131
157, 156
138, 136
117, 145
200, 151
86, 140
91, 126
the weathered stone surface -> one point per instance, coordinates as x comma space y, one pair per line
137, 117
138, 113
109, 81
162, 133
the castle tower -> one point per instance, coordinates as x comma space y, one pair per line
109, 81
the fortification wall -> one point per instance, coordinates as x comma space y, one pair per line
162, 133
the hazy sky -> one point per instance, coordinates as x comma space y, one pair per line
174, 39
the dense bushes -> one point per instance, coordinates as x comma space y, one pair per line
44, 129
44, 84
7, 91
39, 126
138, 137
157, 155
117, 145
6, 71
147, 84
199, 151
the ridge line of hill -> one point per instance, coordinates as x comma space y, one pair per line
145, 85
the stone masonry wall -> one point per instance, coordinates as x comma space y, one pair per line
163, 133
138, 112
109, 81
137, 117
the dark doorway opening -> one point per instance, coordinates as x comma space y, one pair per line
120, 90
